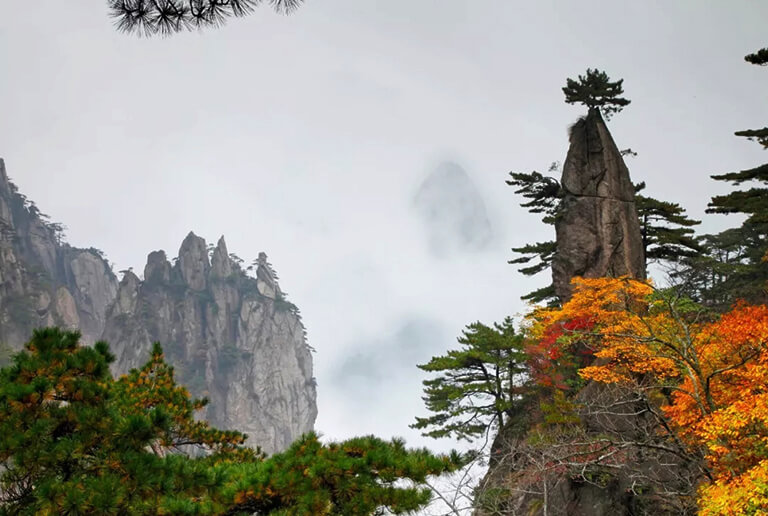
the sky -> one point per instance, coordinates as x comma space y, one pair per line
310, 136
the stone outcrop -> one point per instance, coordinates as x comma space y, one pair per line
598, 233
231, 338
266, 279
44, 281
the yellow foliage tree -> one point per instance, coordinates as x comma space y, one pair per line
711, 372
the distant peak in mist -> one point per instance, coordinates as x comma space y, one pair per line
452, 211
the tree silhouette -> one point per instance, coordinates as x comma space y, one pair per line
166, 17
596, 91
758, 58
751, 200
482, 385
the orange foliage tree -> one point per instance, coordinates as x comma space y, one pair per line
706, 374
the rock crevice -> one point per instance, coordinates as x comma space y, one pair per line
597, 230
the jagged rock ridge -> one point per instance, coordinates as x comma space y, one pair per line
231, 337
43, 280
598, 233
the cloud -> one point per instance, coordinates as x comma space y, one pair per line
453, 212
380, 361
378, 384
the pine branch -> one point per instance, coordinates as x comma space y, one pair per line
167, 17
758, 58
759, 135
753, 174
545, 295
544, 193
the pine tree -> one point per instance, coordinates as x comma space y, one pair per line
360, 476
67, 449
596, 91
667, 231
758, 58
543, 252
75, 441
154, 388
480, 386
749, 277
544, 195
165, 17
722, 273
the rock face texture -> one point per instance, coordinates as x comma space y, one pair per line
44, 281
598, 233
231, 338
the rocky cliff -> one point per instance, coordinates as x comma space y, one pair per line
232, 338
598, 233
44, 281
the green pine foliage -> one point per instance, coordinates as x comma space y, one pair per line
667, 231
596, 91
758, 135
758, 58
543, 192
753, 202
68, 449
544, 251
75, 441
166, 17
544, 196
154, 388
362, 476
724, 272
744, 273
479, 386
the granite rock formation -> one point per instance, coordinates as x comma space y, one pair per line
231, 338
598, 233
43, 280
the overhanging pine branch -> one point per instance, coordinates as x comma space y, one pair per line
166, 17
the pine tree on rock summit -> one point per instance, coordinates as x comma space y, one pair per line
596, 91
